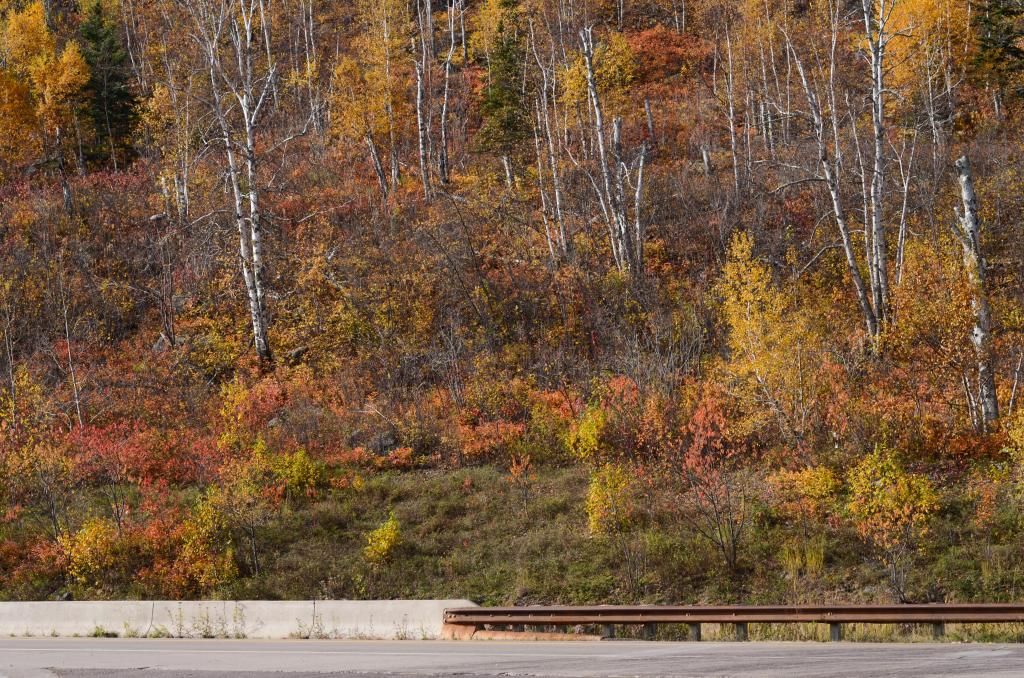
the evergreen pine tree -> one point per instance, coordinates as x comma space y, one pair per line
505, 121
112, 105
1000, 55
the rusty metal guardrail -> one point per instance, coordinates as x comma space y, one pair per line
649, 616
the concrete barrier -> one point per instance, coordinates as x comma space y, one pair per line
365, 619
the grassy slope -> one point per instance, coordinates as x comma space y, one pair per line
471, 534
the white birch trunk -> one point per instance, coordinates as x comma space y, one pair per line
378, 167
236, 20
968, 232
549, 85
732, 115
831, 180
875, 28
613, 172
421, 128
442, 153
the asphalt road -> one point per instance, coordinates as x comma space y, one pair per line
136, 658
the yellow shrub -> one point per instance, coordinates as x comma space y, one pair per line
381, 542
614, 71
814, 555
890, 507
808, 493
206, 559
92, 551
584, 441
792, 558
301, 475
609, 502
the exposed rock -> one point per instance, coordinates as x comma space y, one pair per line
294, 356
162, 344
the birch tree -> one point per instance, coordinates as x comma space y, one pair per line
968, 231
233, 37
455, 9
877, 15
828, 172
615, 173
369, 88
423, 55
547, 144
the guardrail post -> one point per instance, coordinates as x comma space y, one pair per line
649, 631
694, 631
938, 630
741, 631
609, 630
835, 632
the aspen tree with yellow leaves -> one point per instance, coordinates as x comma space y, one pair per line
55, 79
370, 100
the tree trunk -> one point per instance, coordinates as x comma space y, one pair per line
378, 168
640, 232
260, 320
72, 374
830, 176
732, 116
968, 232
421, 128
442, 152
542, 191
613, 170
239, 24
245, 249
544, 122
878, 39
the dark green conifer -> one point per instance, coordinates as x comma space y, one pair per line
1000, 55
505, 115
112, 105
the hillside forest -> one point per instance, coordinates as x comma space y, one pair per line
526, 301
